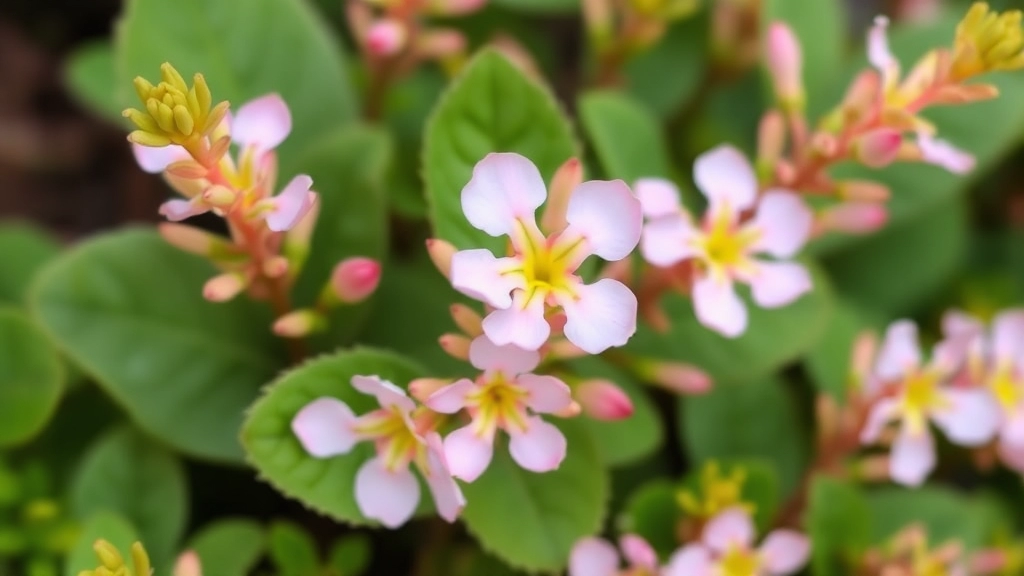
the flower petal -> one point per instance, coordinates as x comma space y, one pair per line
156, 160
547, 394
777, 284
264, 123
386, 393
448, 497
478, 274
521, 324
468, 454
658, 197
668, 240
959, 323
451, 398
539, 448
638, 552
509, 359
1008, 336
878, 45
971, 419
593, 557
724, 176
730, 529
900, 351
718, 307
912, 457
607, 215
505, 187
785, 551
177, 210
1012, 431
324, 427
291, 204
388, 496
883, 412
784, 221
601, 315
944, 154
691, 560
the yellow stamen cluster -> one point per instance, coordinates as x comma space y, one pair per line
717, 492
173, 112
725, 245
986, 41
739, 562
113, 564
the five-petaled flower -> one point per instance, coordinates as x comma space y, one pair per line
385, 490
723, 245
915, 393
503, 396
727, 549
604, 219
598, 557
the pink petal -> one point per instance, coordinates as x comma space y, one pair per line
468, 454
1012, 431
785, 551
521, 324
547, 394
386, 393
944, 154
478, 274
718, 307
600, 316
784, 221
539, 448
691, 560
156, 160
264, 123
900, 352
505, 187
451, 398
386, 496
878, 45
607, 215
732, 528
593, 557
776, 284
448, 497
509, 359
724, 176
668, 240
960, 323
291, 204
324, 427
658, 197
972, 419
177, 210
913, 457
883, 412
1008, 336
638, 552
1012, 457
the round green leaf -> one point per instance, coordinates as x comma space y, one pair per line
667, 75
31, 378
350, 555
128, 309
229, 547
653, 513
945, 514
105, 525
292, 550
90, 74
325, 485
26, 249
838, 523
627, 138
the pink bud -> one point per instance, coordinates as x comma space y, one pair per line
422, 388
224, 287
863, 92
603, 400
188, 169
441, 252
565, 180
299, 323
386, 38
275, 267
878, 148
854, 218
467, 320
863, 191
771, 139
189, 238
678, 377
785, 62
355, 279
455, 345
188, 565
440, 43
862, 357
638, 552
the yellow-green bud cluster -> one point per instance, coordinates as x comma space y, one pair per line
173, 112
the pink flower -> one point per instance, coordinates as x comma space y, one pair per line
727, 547
500, 398
386, 490
598, 557
603, 218
922, 394
723, 247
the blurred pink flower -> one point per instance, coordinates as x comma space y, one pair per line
598, 557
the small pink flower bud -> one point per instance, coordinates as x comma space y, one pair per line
771, 142
863, 191
275, 267
565, 180
188, 169
677, 377
220, 196
188, 565
467, 320
862, 356
422, 388
355, 279
187, 187
225, 286
785, 63
878, 148
438, 44
571, 411
386, 37
598, 15
854, 218
299, 323
455, 345
862, 94
199, 242
441, 252
603, 400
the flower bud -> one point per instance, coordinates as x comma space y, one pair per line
353, 281
188, 565
187, 169
878, 148
862, 94
187, 187
439, 44
854, 218
422, 388
568, 176
220, 196
467, 320
599, 20
603, 400
455, 345
771, 141
785, 63
200, 242
140, 559
108, 555
299, 324
386, 37
862, 356
571, 411
863, 191
275, 267
675, 377
225, 286
441, 252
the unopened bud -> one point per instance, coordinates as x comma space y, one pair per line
862, 94
455, 345
863, 191
195, 241
140, 559
599, 19
878, 148
109, 557
299, 324
571, 411
565, 180
441, 252
675, 377
603, 400
440, 44
771, 142
854, 218
862, 356
220, 196
297, 241
785, 63
423, 388
225, 286
386, 37
353, 281
188, 565
188, 169
187, 187
824, 145
275, 267
467, 320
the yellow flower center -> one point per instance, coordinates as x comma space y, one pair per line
921, 394
724, 244
546, 265
1007, 387
497, 403
739, 562
718, 492
390, 429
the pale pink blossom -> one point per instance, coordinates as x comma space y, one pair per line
603, 218
725, 248
598, 557
504, 396
385, 488
727, 547
922, 394
943, 154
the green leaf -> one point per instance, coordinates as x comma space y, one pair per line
541, 6
945, 514
128, 309
245, 49
124, 472
325, 485
408, 106
230, 546
838, 523
653, 513
350, 555
293, 550
26, 250
755, 419
531, 520
773, 337
667, 75
109, 526
474, 119
89, 72
31, 378
626, 137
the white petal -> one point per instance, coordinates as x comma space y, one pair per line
900, 351
912, 457
593, 557
509, 359
733, 528
468, 453
291, 204
972, 419
718, 307
478, 274
386, 393
691, 560
658, 197
505, 187
539, 448
264, 122
1008, 336
448, 497
601, 315
725, 176
156, 160
324, 427
177, 210
607, 215
785, 551
390, 497
451, 398
878, 45
520, 324
668, 240
547, 394
776, 284
944, 154
784, 221
883, 412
